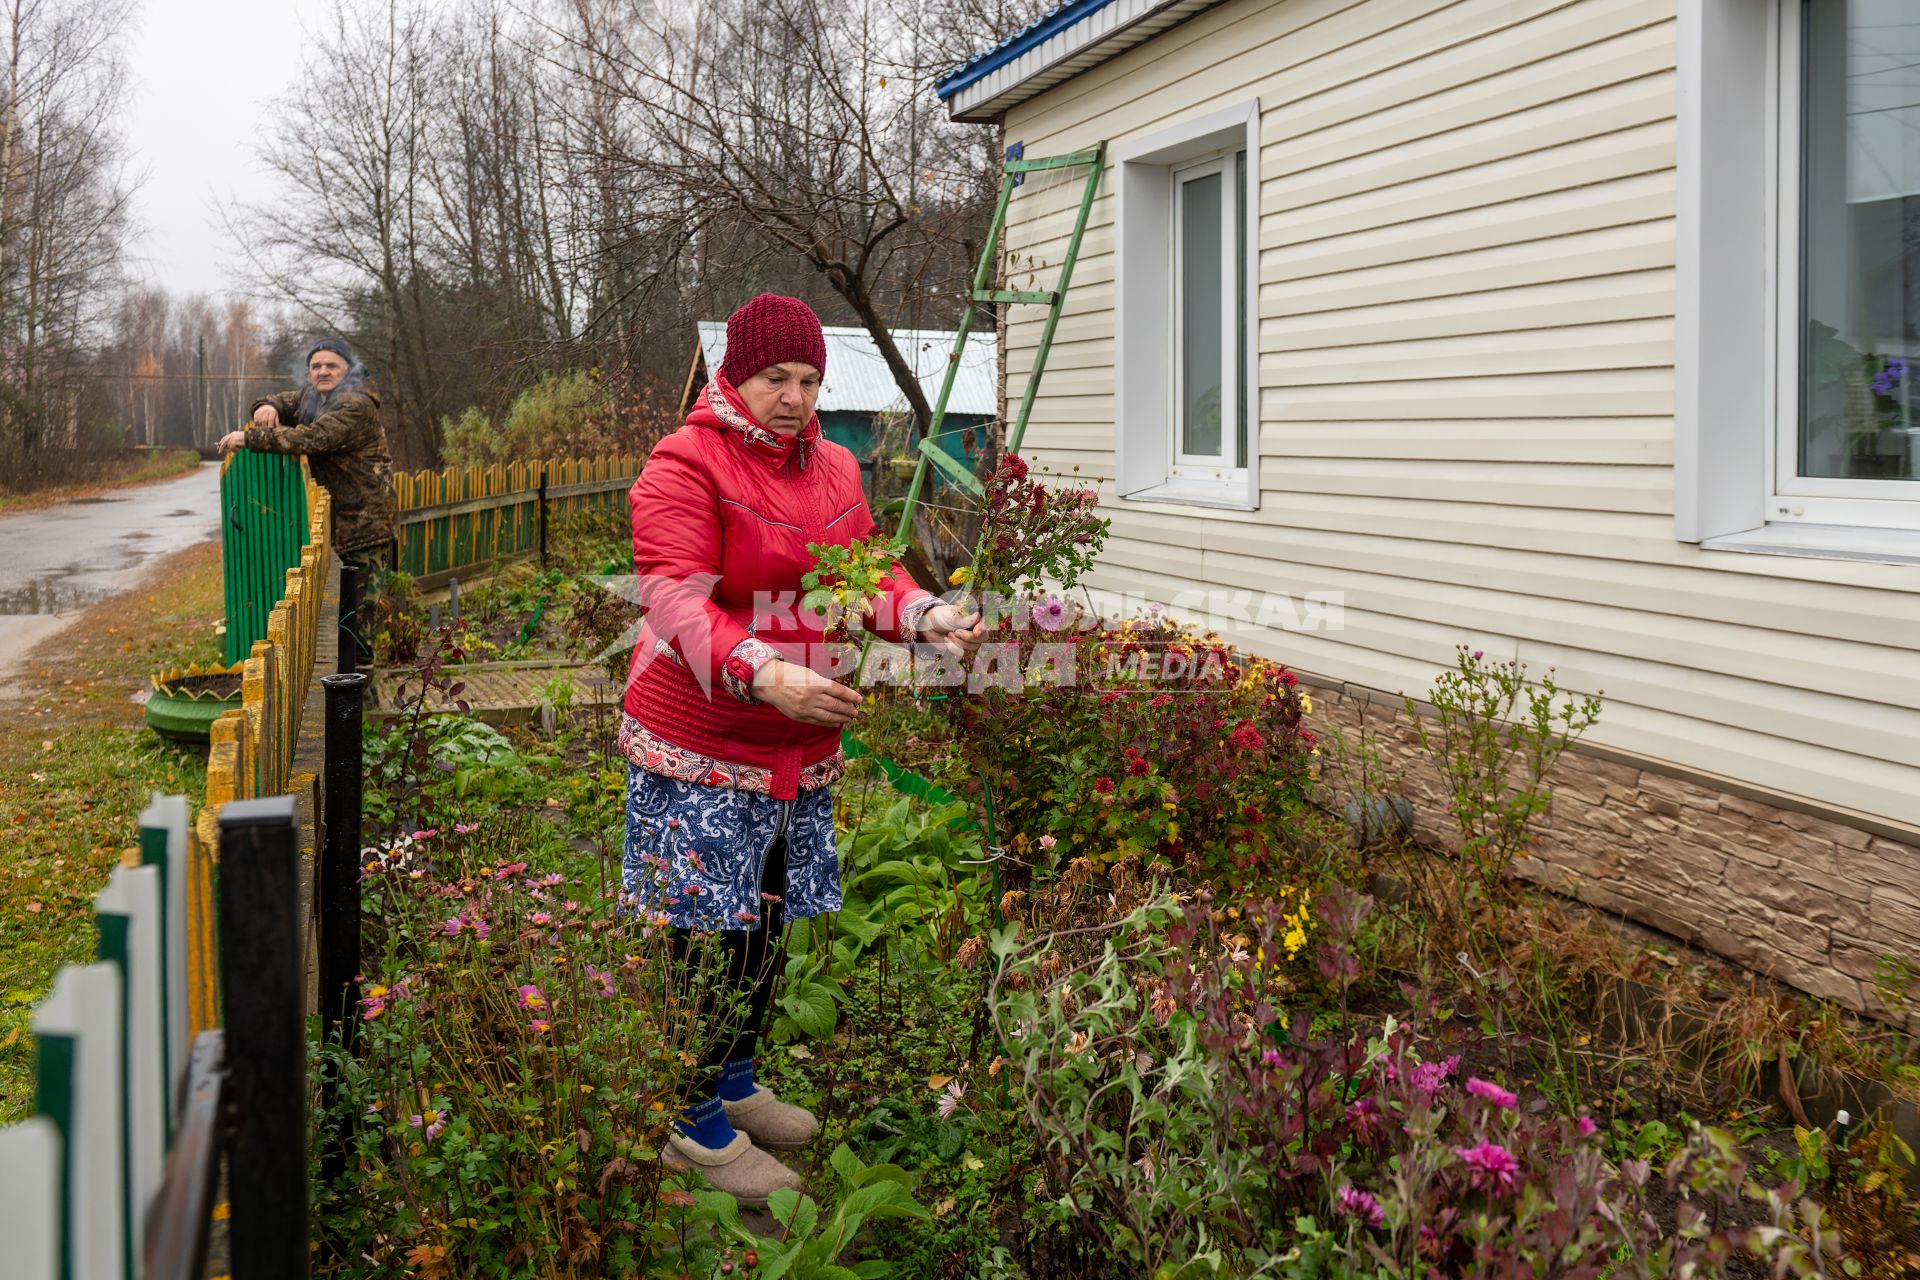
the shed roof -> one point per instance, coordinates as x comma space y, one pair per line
858, 380
1069, 38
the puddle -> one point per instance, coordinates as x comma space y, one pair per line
184, 511
138, 533
49, 595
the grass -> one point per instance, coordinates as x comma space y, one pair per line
115, 472
77, 764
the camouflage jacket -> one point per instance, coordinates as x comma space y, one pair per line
346, 450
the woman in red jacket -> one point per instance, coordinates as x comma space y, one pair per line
731, 734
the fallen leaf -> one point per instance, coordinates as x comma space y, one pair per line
944, 1208
13, 1038
937, 1083
34, 908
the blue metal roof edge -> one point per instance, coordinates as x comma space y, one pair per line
1040, 30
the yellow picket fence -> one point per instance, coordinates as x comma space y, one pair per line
458, 517
251, 748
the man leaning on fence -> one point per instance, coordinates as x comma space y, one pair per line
335, 421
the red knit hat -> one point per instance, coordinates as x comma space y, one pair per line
772, 330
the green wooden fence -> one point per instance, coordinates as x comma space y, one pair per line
459, 518
264, 525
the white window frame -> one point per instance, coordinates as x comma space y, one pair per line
1196, 466
1737, 304
1149, 467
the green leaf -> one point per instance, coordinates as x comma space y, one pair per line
885, 1173
812, 1009
723, 1207
847, 1164
798, 1219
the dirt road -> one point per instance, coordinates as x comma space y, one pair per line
56, 561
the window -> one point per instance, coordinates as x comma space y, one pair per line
1210, 313
1186, 407
1848, 447
1797, 309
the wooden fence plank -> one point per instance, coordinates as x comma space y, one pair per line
163, 845
78, 1077
30, 1198
128, 914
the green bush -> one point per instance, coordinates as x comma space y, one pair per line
564, 415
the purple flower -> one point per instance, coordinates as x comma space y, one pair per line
1884, 382
1493, 1166
1897, 366
1050, 614
1492, 1093
950, 1099
1586, 1126
1352, 1203
1427, 1077
602, 982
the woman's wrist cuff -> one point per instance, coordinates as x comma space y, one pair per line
913, 615
743, 664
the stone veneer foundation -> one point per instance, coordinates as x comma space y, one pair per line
1799, 895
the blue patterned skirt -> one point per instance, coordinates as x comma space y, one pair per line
695, 854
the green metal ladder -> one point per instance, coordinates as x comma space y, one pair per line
1054, 299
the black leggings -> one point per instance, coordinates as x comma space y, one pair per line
751, 962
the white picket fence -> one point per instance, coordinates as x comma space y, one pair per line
79, 1179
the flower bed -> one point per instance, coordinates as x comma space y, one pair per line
1128, 1013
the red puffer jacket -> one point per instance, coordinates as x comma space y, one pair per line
722, 515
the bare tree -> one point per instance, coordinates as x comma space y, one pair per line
789, 131
63, 217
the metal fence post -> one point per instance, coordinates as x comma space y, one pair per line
340, 895
543, 515
340, 856
352, 589
261, 956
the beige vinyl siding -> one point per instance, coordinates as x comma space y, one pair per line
1465, 347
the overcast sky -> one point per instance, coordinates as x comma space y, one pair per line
203, 72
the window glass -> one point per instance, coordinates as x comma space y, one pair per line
1201, 314
1241, 330
1860, 241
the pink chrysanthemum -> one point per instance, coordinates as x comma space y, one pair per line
1427, 1077
531, 998
1492, 1093
1494, 1167
1353, 1203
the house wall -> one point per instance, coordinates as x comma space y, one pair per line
1465, 353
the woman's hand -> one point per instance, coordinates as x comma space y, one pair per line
945, 628
801, 693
